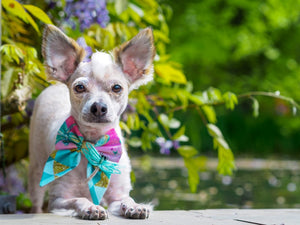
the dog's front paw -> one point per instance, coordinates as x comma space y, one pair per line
94, 212
135, 211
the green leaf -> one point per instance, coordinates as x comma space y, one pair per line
38, 13
169, 73
135, 142
133, 121
196, 99
193, 175
17, 9
255, 107
168, 123
7, 82
213, 130
120, 6
222, 143
125, 127
187, 151
179, 133
226, 163
194, 165
164, 120
230, 100
12, 52
174, 123
210, 114
214, 94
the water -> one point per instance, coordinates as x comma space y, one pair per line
168, 189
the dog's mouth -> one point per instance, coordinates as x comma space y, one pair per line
94, 119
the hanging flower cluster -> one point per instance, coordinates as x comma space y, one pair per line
87, 12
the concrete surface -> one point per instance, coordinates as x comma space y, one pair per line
174, 217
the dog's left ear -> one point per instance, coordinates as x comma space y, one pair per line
135, 58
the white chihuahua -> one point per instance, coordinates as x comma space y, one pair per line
94, 95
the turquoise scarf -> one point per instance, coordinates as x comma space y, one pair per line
103, 158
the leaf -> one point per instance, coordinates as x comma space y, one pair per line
196, 99
255, 107
168, 123
17, 9
136, 9
226, 163
161, 36
214, 94
12, 52
120, 6
187, 151
164, 120
7, 82
179, 133
294, 110
230, 100
169, 73
135, 142
38, 13
194, 165
133, 121
210, 114
125, 127
193, 176
213, 130
134, 15
221, 142
174, 123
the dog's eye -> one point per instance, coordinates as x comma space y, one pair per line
79, 88
116, 88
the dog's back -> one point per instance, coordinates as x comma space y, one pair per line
52, 107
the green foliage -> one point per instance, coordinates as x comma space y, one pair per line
23, 74
153, 109
241, 46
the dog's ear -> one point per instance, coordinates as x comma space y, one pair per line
135, 58
61, 53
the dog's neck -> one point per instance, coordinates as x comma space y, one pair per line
93, 132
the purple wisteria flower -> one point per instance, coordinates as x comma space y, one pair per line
166, 145
88, 49
87, 12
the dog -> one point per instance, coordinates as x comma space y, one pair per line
94, 94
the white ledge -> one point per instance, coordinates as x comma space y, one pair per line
174, 217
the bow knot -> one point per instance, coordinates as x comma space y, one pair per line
103, 158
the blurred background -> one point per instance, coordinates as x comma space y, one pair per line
243, 46
227, 78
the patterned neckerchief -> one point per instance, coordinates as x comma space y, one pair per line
103, 158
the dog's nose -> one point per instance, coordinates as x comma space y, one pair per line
99, 109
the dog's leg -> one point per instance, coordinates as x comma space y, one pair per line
82, 206
117, 194
35, 191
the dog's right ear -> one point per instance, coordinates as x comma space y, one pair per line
62, 54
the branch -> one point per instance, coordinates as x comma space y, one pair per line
269, 94
246, 95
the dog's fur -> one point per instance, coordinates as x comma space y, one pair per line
129, 66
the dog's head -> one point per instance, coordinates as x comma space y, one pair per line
98, 89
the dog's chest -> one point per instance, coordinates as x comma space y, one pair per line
75, 183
